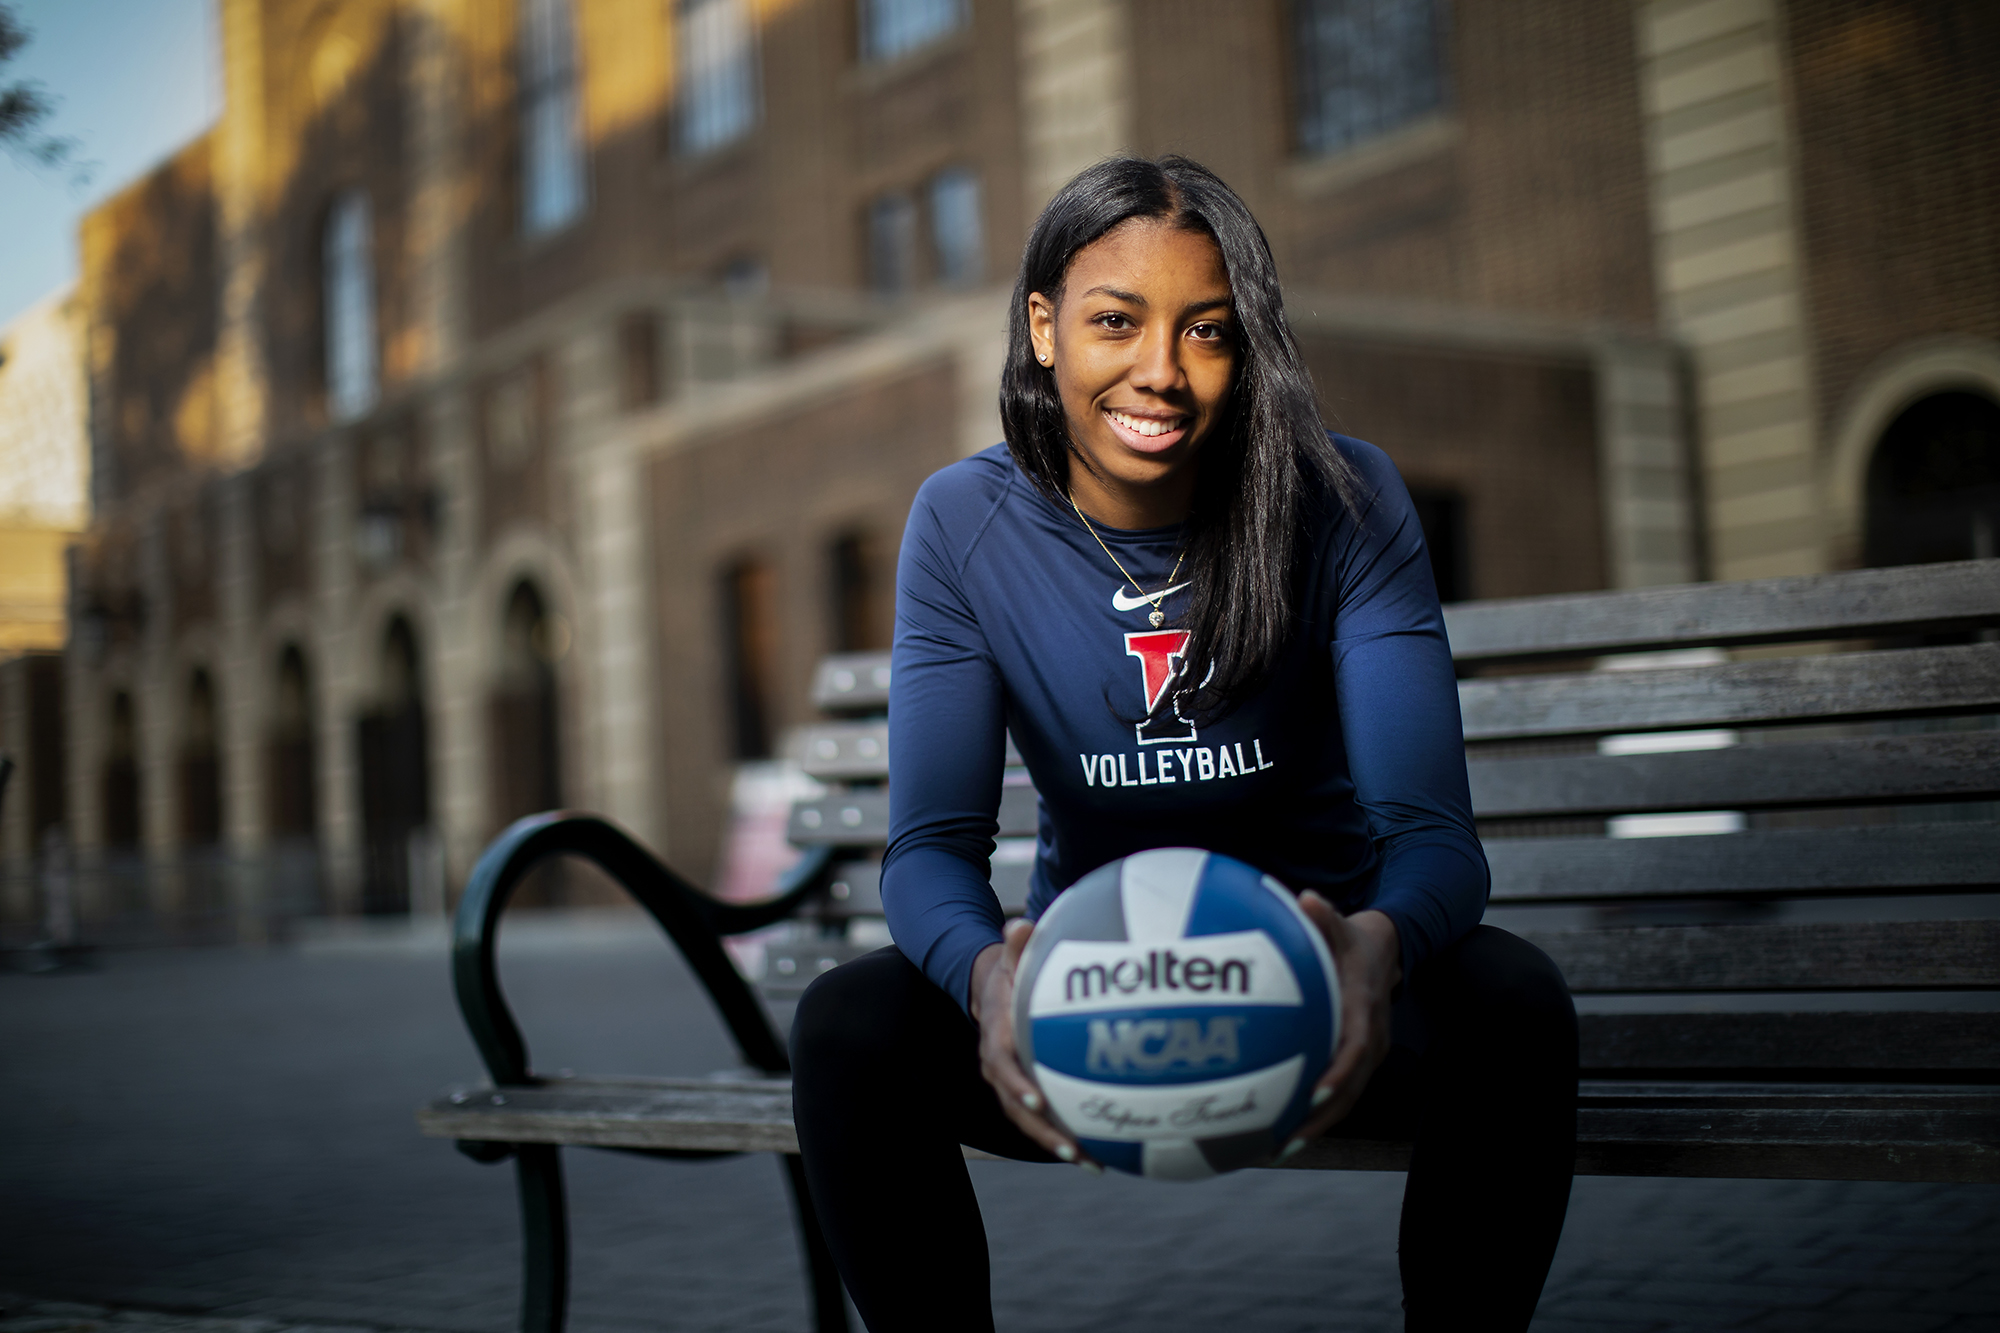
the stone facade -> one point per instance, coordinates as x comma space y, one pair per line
620, 478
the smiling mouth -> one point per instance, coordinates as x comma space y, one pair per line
1149, 430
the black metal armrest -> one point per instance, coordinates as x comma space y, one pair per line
694, 920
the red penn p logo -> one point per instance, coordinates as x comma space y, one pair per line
1159, 653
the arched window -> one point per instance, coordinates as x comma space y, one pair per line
552, 184
395, 775
121, 776
1934, 482
201, 769
348, 300
294, 810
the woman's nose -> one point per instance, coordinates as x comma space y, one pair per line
1158, 366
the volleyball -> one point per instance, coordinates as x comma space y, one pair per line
1176, 1007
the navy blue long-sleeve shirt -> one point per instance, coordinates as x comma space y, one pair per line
1345, 773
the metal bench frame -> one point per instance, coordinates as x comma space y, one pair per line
696, 922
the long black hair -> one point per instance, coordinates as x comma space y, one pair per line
1268, 458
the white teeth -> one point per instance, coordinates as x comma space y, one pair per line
1143, 426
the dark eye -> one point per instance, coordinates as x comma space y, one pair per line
1208, 332
1114, 320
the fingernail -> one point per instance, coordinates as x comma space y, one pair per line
1092, 1167
1032, 1100
1064, 1151
1320, 1098
1291, 1150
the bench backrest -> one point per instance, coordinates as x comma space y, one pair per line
1826, 745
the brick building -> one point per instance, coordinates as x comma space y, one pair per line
44, 453
506, 402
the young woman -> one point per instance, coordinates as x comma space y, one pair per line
1170, 560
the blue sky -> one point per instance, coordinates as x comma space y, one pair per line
133, 80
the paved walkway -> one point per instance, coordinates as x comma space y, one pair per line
227, 1132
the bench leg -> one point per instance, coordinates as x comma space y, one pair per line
829, 1298
544, 1237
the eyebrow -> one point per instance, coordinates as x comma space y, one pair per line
1133, 298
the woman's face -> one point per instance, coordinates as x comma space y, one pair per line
1143, 348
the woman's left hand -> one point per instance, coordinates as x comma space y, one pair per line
1369, 959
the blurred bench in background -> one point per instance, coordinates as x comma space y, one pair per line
1754, 823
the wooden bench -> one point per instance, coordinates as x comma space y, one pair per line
1813, 993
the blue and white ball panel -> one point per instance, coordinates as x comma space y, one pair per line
1175, 1008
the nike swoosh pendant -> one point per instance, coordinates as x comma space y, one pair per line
1120, 602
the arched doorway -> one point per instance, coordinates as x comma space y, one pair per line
1934, 482
395, 776
524, 720
201, 769
292, 788
121, 777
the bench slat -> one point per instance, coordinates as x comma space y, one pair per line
746, 1116
858, 751
1859, 604
1779, 1131
846, 751
1820, 955
852, 683
1901, 1041
1915, 682
860, 817
1789, 1131
1773, 862
1869, 770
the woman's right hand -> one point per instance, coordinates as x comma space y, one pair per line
993, 1010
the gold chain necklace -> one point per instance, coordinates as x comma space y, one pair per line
1157, 616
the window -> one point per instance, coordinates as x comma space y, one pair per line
551, 152
745, 278
293, 809
639, 359
201, 776
892, 244
1364, 67
1441, 514
395, 776
528, 775
348, 269
862, 602
718, 74
891, 27
957, 233
750, 637
121, 776
1934, 483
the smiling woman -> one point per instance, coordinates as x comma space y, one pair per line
1203, 354
1292, 706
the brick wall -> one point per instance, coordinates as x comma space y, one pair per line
790, 194
335, 110
1899, 171
1516, 438
149, 292
782, 493
1533, 199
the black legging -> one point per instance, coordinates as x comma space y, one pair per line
1482, 1075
